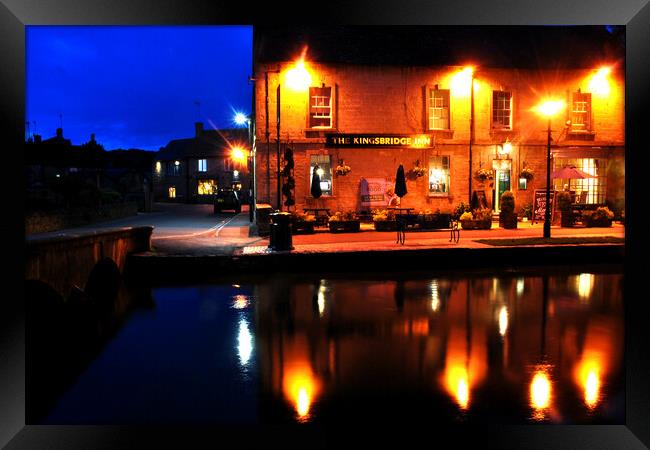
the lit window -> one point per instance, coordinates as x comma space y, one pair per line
324, 163
439, 175
502, 110
207, 187
320, 107
587, 190
581, 112
523, 184
158, 167
203, 165
439, 109
172, 191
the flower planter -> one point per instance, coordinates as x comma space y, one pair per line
385, 225
303, 227
345, 226
508, 221
602, 222
476, 224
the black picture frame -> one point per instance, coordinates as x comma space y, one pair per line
634, 14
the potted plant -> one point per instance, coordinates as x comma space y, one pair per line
417, 171
459, 210
507, 215
564, 205
384, 220
303, 223
602, 217
341, 222
478, 219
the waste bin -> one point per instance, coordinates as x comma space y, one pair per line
280, 232
263, 219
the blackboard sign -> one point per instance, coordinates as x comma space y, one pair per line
479, 200
539, 204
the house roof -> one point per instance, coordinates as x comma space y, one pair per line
525, 47
210, 143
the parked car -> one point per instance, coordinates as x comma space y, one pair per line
227, 199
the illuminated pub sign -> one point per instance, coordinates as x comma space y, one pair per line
378, 140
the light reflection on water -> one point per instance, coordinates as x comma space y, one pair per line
507, 349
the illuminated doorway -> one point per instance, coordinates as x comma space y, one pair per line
501, 181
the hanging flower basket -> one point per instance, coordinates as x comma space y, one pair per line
417, 172
343, 170
526, 173
483, 175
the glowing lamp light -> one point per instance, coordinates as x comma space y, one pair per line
506, 148
599, 83
235, 173
461, 82
298, 78
177, 163
237, 154
240, 118
320, 172
549, 108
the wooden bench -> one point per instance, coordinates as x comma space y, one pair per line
402, 227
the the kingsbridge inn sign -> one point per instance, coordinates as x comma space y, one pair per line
378, 140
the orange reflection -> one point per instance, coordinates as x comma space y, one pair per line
300, 385
240, 301
594, 362
464, 369
540, 393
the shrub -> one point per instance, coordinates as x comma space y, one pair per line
482, 214
603, 212
564, 200
383, 215
466, 216
460, 209
508, 202
339, 216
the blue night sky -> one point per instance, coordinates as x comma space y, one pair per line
136, 87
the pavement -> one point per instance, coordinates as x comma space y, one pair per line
194, 230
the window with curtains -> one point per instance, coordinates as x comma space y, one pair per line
324, 163
439, 175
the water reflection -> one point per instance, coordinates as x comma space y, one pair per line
244, 342
389, 339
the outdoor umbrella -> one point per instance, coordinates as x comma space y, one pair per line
400, 182
570, 172
316, 191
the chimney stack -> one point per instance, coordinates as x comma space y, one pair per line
198, 127
59, 132
37, 138
92, 137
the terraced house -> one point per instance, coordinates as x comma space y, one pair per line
358, 108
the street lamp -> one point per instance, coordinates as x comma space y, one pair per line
548, 109
242, 119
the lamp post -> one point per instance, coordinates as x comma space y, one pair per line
548, 109
241, 119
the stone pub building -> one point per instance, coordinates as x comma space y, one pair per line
443, 102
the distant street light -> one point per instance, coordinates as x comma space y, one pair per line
241, 118
548, 109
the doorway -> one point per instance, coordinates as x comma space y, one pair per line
502, 184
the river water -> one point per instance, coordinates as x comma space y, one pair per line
540, 346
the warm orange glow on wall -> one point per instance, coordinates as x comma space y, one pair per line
298, 77
599, 82
550, 108
461, 82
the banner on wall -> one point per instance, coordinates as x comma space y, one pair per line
373, 191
